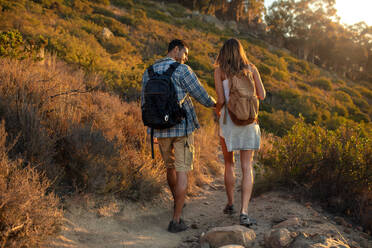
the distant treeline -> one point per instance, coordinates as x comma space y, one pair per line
309, 28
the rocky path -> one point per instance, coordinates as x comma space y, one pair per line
112, 223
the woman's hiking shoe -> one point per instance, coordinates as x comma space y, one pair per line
246, 221
175, 227
229, 209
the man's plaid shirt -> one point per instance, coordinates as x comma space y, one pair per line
185, 81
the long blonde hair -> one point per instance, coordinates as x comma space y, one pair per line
232, 59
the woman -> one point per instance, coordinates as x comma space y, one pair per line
232, 61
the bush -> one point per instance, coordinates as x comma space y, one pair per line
342, 97
281, 76
339, 109
264, 69
11, 44
123, 3
322, 83
278, 123
303, 86
92, 140
330, 163
350, 91
28, 214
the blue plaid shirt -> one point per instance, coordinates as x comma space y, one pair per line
185, 81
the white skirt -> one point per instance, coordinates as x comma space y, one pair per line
239, 137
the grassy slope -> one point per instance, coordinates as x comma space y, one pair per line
142, 31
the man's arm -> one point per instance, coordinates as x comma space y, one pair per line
192, 85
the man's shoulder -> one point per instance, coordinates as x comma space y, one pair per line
184, 68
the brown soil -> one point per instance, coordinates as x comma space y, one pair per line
112, 223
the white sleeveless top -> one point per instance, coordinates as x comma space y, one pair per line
238, 137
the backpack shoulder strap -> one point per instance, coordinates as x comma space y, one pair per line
150, 71
171, 69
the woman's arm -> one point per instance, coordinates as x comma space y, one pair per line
219, 90
260, 89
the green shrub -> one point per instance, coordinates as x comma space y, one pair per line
11, 44
339, 82
199, 62
116, 44
330, 163
278, 122
359, 117
304, 65
350, 91
322, 83
339, 109
281, 76
303, 86
264, 69
362, 104
365, 92
128, 4
342, 97
105, 2
160, 16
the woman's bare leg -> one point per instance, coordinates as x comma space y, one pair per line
246, 158
229, 172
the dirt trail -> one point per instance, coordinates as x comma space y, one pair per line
129, 225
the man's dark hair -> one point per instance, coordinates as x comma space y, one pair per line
177, 43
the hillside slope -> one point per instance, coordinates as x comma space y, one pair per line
141, 31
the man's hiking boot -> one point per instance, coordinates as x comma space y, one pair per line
229, 209
246, 221
175, 227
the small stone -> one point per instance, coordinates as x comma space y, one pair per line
347, 230
277, 238
277, 219
194, 226
294, 234
364, 243
206, 203
308, 204
354, 244
237, 234
340, 221
317, 238
359, 228
364, 235
316, 214
290, 222
231, 246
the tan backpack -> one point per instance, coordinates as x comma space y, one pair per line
243, 103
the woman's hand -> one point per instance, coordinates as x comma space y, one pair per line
218, 112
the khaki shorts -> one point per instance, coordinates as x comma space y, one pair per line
177, 152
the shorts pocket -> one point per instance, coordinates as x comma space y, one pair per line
189, 151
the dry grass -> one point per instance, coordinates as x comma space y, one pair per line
206, 162
28, 214
85, 140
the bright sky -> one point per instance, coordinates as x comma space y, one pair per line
350, 11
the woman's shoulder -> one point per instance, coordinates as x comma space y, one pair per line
219, 71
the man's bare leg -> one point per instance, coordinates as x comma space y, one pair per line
180, 193
172, 181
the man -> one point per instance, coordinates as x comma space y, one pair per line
177, 143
